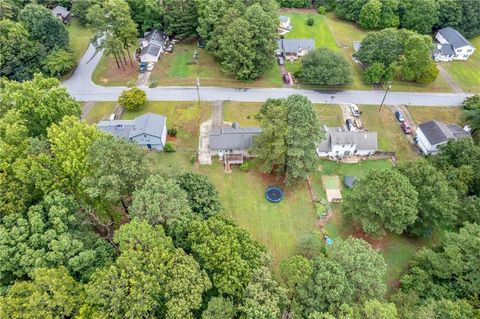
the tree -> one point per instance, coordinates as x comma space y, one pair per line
437, 201
370, 15
226, 252
219, 308
49, 235
471, 112
374, 74
69, 142
151, 278
290, 133
160, 201
116, 166
416, 64
263, 297
449, 13
383, 46
296, 272
364, 267
44, 27
389, 15
451, 271
180, 18
393, 208
374, 309
201, 194
471, 102
324, 67
349, 9
133, 99
418, 15
59, 62
19, 55
52, 293
8, 9
45, 103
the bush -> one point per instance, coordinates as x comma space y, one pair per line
471, 103
310, 21
133, 99
374, 73
131, 83
245, 167
58, 63
322, 10
172, 132
153, 84
168, 148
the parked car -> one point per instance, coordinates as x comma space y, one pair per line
150, 66
280, 60
358, 123
286, 78
399, 116
406, 128
142, 68
355, 110
349, 124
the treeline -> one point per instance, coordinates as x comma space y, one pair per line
32, 40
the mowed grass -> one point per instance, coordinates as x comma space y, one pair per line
180, 68
467, 73
79, 38
244, 113
186, 117
100, 111
107, 73
448, 115
390, 136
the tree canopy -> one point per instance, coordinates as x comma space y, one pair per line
324, 67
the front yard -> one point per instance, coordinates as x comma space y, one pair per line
107, 73
448, 115
79, 38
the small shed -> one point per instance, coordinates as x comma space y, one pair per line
349, 181
334, 195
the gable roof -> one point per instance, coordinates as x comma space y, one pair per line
149, 123
61, 11
338, 136
233, 138
454, 37
151, 49
155, 37
444, 49
437, 132
293, 45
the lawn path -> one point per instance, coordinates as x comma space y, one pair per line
443, 73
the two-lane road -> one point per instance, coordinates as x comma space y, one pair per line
81, 87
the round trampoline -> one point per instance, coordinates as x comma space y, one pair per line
274, 194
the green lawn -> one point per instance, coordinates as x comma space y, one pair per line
390, 136
467, 73
79, 38
100, 111
186, 117
448, 115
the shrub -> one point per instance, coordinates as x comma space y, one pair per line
245, 167
133, 99
310, 21
168, 148
153, 84
322, 10
172, 132
193, 158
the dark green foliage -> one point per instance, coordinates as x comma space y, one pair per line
295, 3
169, 148
418, 15
219, 308
321, 10
133, 99
393, 208
310, 22
172, 132
59, 62
312, 245
471, 112
374, 74
370, 15
80, 8
180, 17
245, 167
44, 27
324, 67
201, 193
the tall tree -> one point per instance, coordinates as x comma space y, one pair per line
449, 13
418, 15
147, 14
40, 102
437, 201
370, 15
52, 293
44, 27
181, 17
219, 308
416, 64
324, 67
393, 208
201, 194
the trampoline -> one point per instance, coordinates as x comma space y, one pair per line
274, 194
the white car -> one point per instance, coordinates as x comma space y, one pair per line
355, 110
150, 66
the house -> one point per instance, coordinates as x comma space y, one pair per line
292, 49
152, 45
149, 130
339, 143
231, 144
451, 45
285, 25
430, 135
62, 13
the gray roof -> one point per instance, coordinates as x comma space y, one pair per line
454, 37
294, 45
283, 19
338, 136
149, 123
445, 49
233, 138
61, 11
151, 49
349, 181
437, 132
156, 37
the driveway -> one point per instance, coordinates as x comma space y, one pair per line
81, 87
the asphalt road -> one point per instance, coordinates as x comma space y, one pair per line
80, 86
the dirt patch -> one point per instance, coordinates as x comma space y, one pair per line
377, 243
115, 74
171, 138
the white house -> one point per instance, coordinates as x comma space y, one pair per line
152, 45
149, 130
451, 45
285, 25
292, 49
339, 143
432, 134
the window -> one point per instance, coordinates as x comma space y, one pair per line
465, 55
469, 50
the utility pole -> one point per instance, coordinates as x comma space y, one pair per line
198, 90
385, 96
331, 102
